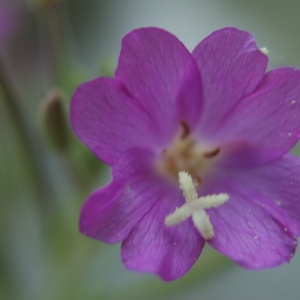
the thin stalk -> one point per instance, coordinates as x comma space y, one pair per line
29, 141
53, 38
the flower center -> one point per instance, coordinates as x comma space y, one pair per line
186, 154
188, 160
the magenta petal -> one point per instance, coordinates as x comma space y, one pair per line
108, 121
248, 228
245, 232
268, 119
133, 208
166, 251
12, 15
111, 212
160, 72
279, 182
231, 67
97, 217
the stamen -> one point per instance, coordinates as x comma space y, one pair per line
195, 207
186, 129
212, 153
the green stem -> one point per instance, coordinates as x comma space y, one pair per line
53, 37
29, 141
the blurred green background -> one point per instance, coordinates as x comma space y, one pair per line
49, 47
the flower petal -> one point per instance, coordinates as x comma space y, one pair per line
268, 120
111, 212
108, 121
248, 228
231, 67
166, 251
279, 182
160, 72
133, 208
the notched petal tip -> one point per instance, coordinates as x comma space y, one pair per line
231, 66
159, 71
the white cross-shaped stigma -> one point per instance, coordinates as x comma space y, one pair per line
195, 207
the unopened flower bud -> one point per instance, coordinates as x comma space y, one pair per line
53, 120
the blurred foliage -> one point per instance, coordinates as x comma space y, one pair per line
46, 172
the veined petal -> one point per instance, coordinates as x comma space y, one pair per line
248, 228
279, 183
109, 121
268, 120
111, 212
156, 248
159, 71
231, 67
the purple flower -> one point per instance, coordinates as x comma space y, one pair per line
11, 15
198, 146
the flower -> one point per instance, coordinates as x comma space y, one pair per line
11, 16
198, 146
